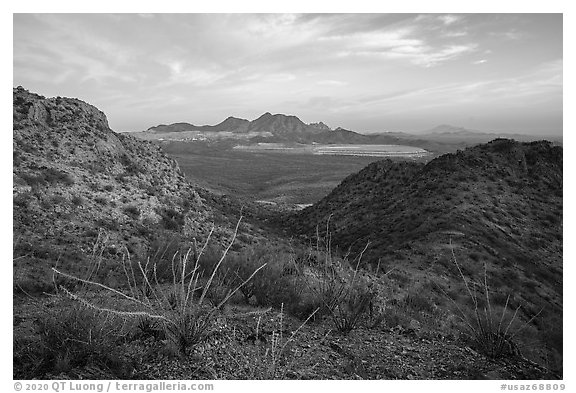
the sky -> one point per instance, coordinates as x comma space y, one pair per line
363, 72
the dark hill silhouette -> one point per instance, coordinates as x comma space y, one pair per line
449, 134
175, 127
498, 203
232, 124
280, 125
276, 124
449, 129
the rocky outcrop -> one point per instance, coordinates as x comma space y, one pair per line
320, 126
77, 182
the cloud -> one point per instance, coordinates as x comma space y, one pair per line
376, 39
454, 34
322, 102
268, 78
184, 74
510, 35
66, 63
82, 56
331, 82
450, 19
420, 55
538, 86
278, 30
481, 61
409, 42
513, 35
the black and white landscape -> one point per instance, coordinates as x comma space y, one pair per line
272, 196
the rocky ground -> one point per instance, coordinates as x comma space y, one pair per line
253, 343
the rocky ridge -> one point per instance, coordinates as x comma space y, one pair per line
497, 207
76, 181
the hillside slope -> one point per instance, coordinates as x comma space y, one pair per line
78, 183
505, 196
499, 205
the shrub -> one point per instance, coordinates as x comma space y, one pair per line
32, 287
132, 168
307, 305
218, 292
351, 303
344, 295
77, 200
418, 302
109, 224
163, 248
17, 158
75, 337
33, 180
278, 284
101, 200
273, 288
53, 175
241, 267
149, 327
23, 199
56, 200
182, 308
171, 219
395, 315
132, 211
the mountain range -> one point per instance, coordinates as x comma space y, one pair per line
277, 124
290, 129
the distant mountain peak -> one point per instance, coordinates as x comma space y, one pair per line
234, 120
320, 125
174, 127
278, 124
450, 129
